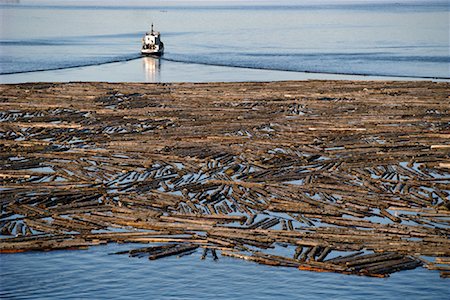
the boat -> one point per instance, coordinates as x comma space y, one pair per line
151, 43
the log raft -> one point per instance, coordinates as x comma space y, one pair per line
351, 177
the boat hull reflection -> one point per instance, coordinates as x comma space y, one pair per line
151, 68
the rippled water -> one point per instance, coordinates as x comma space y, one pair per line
403, 40
89, 274
371, 39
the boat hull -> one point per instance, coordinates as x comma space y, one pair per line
151, 53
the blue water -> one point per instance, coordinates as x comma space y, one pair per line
93, 274
374, 39
403, 39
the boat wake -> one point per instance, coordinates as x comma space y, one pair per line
66, 52
71, 52
243, 65
250, 65
97, 62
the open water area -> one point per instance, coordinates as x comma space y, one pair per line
219, 41
93, 274
100, 41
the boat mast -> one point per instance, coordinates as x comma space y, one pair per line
152, 28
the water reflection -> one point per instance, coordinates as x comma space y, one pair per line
151, 69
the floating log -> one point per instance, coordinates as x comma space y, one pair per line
231, 167
178, 249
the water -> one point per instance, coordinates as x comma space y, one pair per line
96, 41
382, 39
93, 274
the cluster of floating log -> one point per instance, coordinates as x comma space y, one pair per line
346, 177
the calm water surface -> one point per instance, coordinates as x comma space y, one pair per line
207, 43
89, 274
371, 39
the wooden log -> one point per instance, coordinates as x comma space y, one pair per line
340, 259
250, 258
270, 223
258, 224
305, 253
390, 216
372, 258
231, 161
173, 251
324, 254
298, 252
214, 254
312, 254
392, 266
442, 260
205, 252
445, 274
46, 245
151, 249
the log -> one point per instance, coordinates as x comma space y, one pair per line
202, 183
173, 251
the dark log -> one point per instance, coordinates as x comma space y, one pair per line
173, 251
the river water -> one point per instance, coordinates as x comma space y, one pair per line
374, 39
99, 41
93, 274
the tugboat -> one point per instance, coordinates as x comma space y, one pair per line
151, 43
